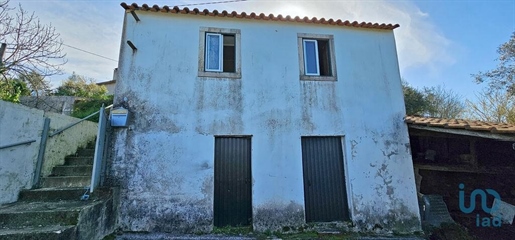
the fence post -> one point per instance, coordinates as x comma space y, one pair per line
99, 150
41, 154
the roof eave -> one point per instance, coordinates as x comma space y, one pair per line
262, 16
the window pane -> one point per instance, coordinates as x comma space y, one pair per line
229, 60
324, 58
213, 51
310, 57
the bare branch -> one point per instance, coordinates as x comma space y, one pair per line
493, 106
33, 48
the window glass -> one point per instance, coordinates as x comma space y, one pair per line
311, 57
213, 51
316, 57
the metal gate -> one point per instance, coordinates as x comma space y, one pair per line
324, 183
232, 201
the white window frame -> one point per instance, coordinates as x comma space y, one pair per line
218, 73
317, 73
220, 51
303, 75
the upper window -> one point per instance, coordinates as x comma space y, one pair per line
219, 53
316, 57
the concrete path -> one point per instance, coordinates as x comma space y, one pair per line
165, 236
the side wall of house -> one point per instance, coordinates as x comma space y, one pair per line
164, 162
17, 124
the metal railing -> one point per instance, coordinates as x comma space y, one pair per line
100, 151
17, 144
75, 123
46, 134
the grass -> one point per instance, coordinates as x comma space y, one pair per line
449, 231
247, 231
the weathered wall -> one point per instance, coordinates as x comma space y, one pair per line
67, 142
17, 164
17, 124
164, 161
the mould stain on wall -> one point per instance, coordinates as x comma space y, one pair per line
165, 214
219, 106
274, 216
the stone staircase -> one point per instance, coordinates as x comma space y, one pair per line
56, 211
76, 171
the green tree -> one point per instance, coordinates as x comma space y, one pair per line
432, 102
414, 100
11, 90
502, 77
36, 83
93, 96
81, 86
84, 108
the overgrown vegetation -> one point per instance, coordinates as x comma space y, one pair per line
93, 95
83, 108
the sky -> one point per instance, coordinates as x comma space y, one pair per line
439, 42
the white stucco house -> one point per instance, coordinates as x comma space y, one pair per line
261, 120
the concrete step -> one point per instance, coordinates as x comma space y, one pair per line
71, 160
65, 181
87, 152
72, 170
26, 214
51, 194
39, 233
66, 219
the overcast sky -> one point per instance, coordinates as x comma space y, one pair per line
438, 42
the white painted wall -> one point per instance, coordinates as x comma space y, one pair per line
164, 162
17, 124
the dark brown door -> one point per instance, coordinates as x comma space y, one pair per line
233, 196
324, 182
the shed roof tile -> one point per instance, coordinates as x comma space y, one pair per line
472, 125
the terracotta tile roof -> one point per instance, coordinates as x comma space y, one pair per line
260, 16
472, 125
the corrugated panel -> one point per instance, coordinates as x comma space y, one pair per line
232, 202
324, 183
